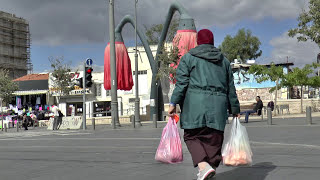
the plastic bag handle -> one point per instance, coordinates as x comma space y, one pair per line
237, 122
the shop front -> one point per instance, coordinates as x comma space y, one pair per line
33, 92
36, 99
102, 108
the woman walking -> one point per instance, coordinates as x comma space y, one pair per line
205, 91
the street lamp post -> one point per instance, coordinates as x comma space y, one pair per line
114, 80
137, 99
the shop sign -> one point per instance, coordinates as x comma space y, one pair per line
77, 91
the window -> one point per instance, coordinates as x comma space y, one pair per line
108, 93
98, 90
140, 72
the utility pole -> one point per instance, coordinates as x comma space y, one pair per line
114, 80
84, 97
137, 99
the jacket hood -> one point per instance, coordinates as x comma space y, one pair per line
207, 52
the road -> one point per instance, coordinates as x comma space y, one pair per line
287, 150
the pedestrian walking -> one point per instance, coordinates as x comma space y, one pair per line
205, 91
25, 122
55, 111
60, 119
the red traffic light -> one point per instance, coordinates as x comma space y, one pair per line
89, 70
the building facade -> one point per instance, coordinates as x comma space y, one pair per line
14, 45
98, 100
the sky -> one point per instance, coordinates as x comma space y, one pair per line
78, 29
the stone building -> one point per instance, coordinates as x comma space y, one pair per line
14, 45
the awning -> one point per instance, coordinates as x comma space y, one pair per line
32, 92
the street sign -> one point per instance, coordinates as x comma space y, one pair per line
89, 62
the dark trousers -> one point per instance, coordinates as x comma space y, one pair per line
59, 122
55, 122
25, 125
204, 145
247, 114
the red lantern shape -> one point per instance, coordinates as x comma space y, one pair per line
124, 73
185, 40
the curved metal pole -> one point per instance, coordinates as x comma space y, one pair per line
175, 6
129, 19
186, 22
153, 95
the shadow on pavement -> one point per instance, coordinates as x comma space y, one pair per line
256, 172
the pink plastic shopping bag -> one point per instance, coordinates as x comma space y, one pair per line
170, 148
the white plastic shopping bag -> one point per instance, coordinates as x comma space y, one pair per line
237, 150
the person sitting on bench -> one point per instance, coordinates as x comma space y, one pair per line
257, 109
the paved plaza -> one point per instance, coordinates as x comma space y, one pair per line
289, 149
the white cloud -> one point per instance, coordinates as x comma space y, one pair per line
96, 68
228, 12
299, 53
82, 21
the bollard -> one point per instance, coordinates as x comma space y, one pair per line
162, 117
133, 121
154, 117
2, 123
17, 125
94, 123
308, 114
5, 127
269, 113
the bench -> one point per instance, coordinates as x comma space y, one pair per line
250, 107
282, 107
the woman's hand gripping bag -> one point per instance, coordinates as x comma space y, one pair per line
170, 148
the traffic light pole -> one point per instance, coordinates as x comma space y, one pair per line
84, 98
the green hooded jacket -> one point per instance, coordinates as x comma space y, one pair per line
205, 89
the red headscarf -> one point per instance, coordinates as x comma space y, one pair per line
205, 36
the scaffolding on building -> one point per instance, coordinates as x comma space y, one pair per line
15, 44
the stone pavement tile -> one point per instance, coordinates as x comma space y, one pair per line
295, 174
259, 171
85, 156
77, 172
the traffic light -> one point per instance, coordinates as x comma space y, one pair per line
88, 76
80, 84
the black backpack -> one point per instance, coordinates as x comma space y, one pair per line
60, 114
271, 105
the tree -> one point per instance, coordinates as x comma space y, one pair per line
309, 24
273, 73
168, 63
243, 45
302, 77
7, 87
61, 78
154, 32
